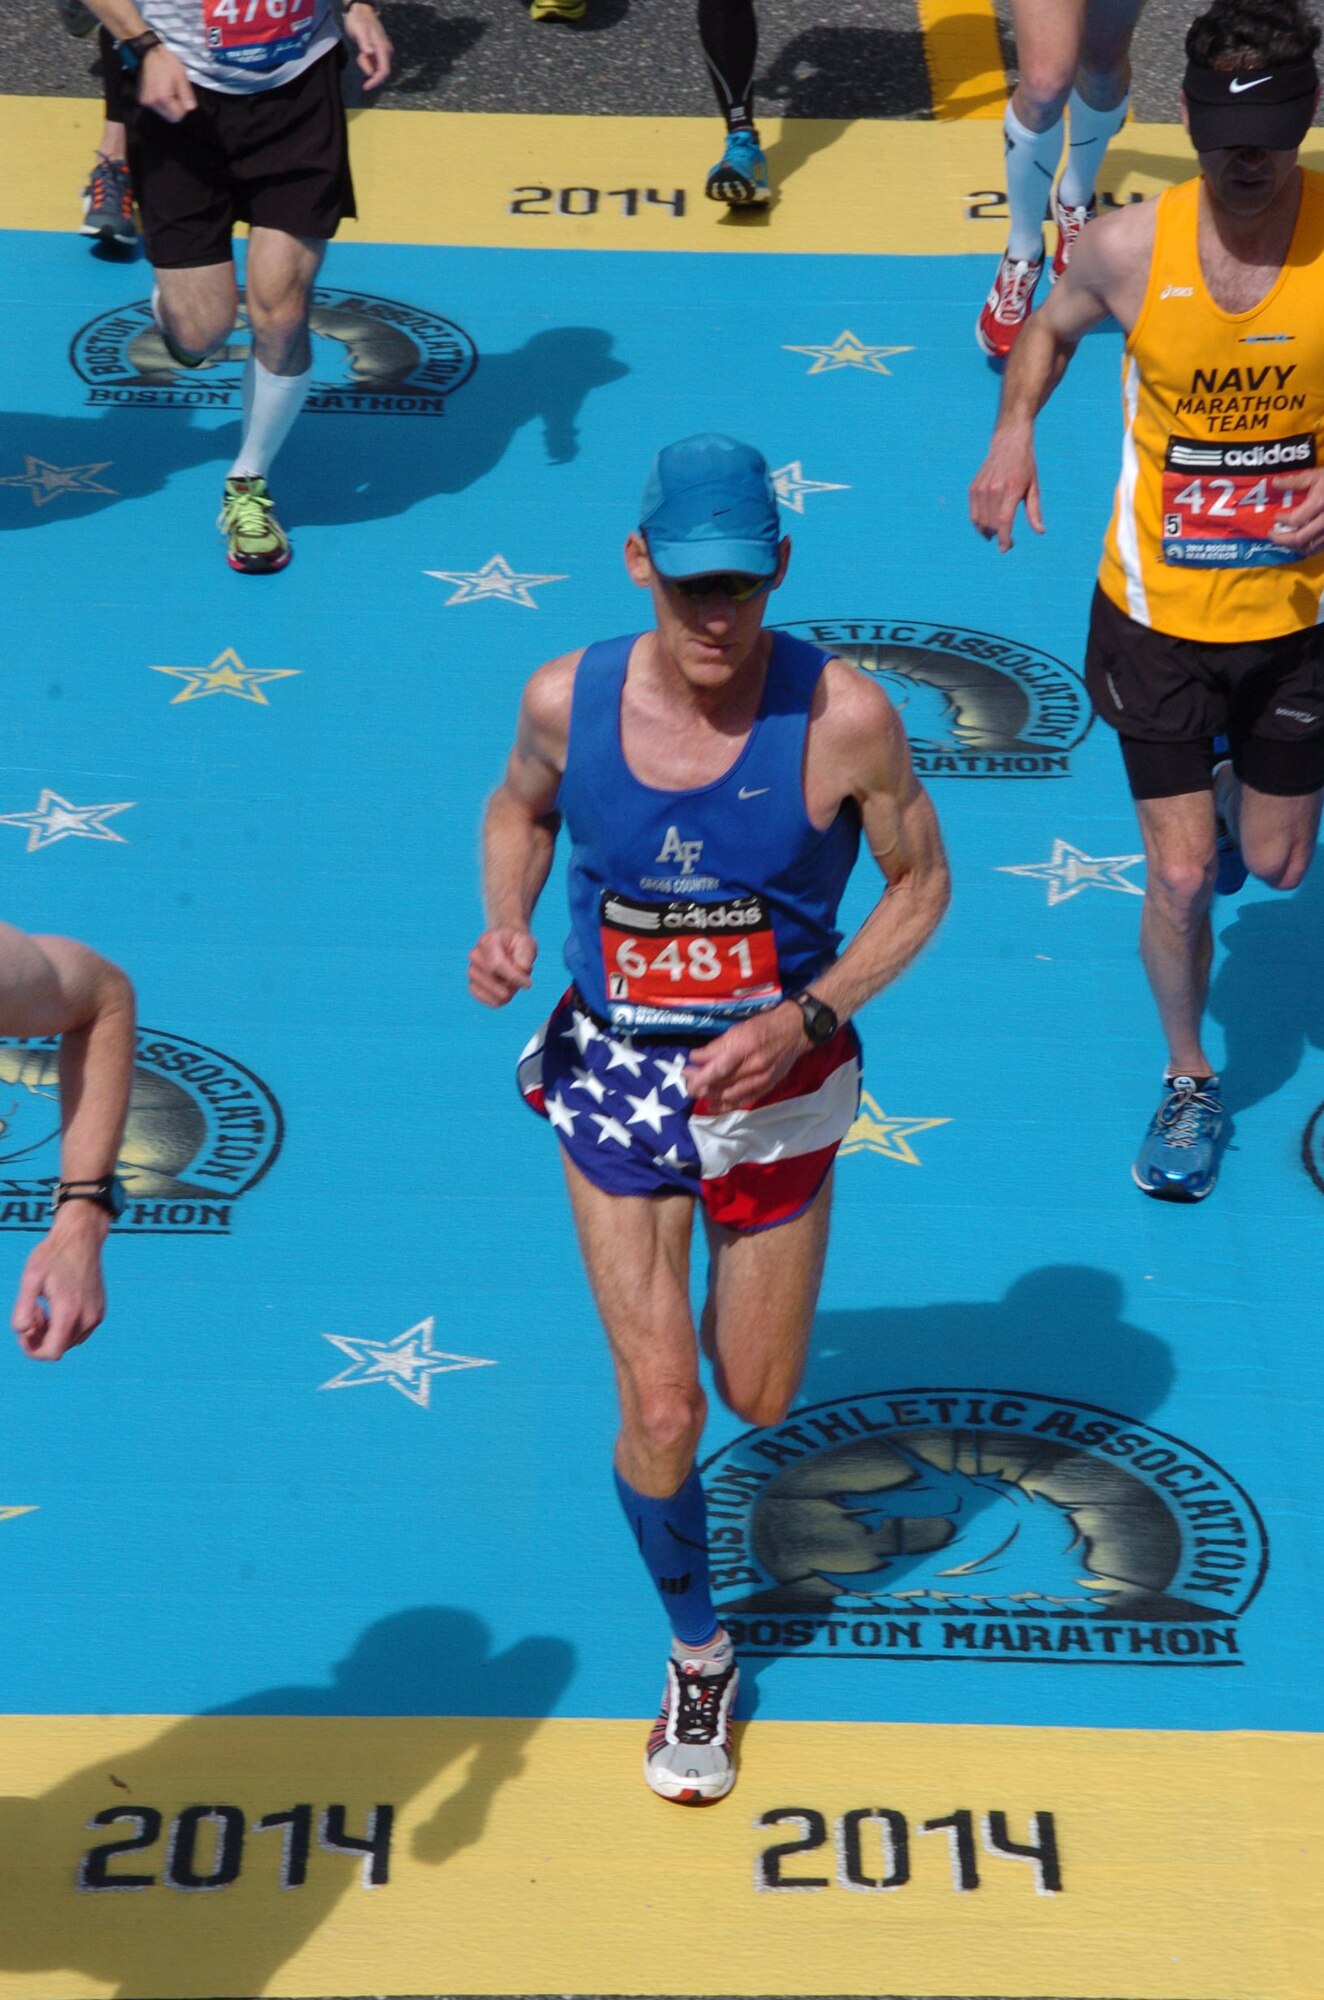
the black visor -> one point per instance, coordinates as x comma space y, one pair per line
1271, 108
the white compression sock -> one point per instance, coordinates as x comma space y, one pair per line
1032, 159
1088, 134
271, 403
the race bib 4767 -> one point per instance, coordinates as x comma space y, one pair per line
258, 34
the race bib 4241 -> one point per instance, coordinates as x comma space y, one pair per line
1220, 501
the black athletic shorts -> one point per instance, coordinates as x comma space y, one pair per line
1168, 698
278, 158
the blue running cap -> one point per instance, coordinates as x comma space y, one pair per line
708, 506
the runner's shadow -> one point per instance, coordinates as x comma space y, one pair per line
428, 48
1268, 993
337, 470
130, 453
846, 73
1058, 1332
430, 1662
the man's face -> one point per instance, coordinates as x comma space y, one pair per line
1246, 181
710, 634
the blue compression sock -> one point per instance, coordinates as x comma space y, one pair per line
673, 1541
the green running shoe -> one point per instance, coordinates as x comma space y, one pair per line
255, 542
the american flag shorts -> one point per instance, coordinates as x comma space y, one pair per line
620, 1109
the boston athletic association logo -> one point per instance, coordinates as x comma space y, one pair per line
370, 354
974, 705
979, 1525
202, 1131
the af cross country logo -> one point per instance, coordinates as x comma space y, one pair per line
202, 1130
974, 705
979, 1525
370, 354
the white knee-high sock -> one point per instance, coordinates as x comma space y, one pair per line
1088, 133
1032, 159
271, 403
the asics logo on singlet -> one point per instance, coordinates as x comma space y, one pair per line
1177, 292
687, 852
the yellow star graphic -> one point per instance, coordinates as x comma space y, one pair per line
10, 1513
849, 351
874, 1132
227, 674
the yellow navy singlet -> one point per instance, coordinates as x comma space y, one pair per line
1215, 403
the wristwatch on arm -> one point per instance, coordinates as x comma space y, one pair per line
106, 1193
136, 47
821, 1023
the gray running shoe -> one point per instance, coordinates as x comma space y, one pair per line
689, 1758
108, 203
1178, 1160
75, 18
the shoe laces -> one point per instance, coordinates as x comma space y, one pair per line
107, 181
246, 509
1185, 1117
698, 1704
1016, 282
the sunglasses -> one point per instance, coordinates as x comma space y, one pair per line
735, 587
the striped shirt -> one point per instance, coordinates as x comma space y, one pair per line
241, 46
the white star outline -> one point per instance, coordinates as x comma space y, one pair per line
790, 486
495, 579
407, 1363
54, 818
1070, 870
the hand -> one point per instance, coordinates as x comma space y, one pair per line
363, 27
1301, 528
745, 1063
501, 963
163, 86
61, 1298
1005, 479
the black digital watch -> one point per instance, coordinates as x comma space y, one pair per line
821, 1023
107, 1193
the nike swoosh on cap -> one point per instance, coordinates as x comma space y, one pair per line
1237, 86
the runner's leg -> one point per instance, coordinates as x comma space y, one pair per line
1175, 937
762, 1293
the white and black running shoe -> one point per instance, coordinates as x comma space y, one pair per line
689, 1758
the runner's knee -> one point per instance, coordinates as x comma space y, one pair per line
1278, 864
1181, 885
1041, 94
667, 1419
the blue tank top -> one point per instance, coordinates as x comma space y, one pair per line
691, 909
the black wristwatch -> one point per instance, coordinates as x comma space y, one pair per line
821, 1023
137, 46
107, 1193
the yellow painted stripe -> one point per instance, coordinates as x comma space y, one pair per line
528, 1858
964, 58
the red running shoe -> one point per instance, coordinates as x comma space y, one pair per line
1007, 306
1070, 222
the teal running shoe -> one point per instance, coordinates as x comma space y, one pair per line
1178, 1159
740, 178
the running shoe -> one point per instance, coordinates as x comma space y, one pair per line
689, 1759
255, 542
1232, 869
76, 18
1070, 222
1178, 1160
557, 10
740, 177
108, 203
1007, 306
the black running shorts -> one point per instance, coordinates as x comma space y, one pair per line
1168, 698
278, 158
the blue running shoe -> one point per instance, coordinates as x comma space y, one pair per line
740, 177
1178, 1160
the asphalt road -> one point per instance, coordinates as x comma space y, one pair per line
830, 59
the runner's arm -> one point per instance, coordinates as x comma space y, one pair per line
163, 84
362, 27
866, 744
519, 834
52, 986
1083, 297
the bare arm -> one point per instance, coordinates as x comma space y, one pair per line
864, 751
519, 834
52, 986
163, 84
1100, 279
